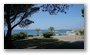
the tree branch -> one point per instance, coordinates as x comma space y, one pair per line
13, 19
22, 18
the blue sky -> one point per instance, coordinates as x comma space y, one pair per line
71, 20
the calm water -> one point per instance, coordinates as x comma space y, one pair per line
33, 32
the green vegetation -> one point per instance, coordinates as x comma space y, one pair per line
51, 29
30, 35
18, 36
81, 32
60, 34
43, 42
37, 30
48, 34
82, 10
46, 43
77, 33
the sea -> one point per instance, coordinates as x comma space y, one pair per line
33, 32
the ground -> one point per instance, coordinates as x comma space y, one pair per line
69, 38
38, 42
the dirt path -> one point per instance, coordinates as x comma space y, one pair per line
68, 38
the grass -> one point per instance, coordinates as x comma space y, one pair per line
34, 37
46, 43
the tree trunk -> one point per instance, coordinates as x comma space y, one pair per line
8, 44
8, 40
37, 33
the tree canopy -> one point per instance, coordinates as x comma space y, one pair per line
37, 30
53, 9
82, 10
19, 12
51, 29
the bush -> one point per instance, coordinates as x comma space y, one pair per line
60, 34
48, 34
36, 35
20, 35
77, 33
81, 32
30, 35
14, 36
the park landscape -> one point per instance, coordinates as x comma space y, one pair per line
51, 29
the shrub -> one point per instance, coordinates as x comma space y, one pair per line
30, 35
48, 34
77, 33
36, 35
81, 32
20, 35
60, 34
14, 36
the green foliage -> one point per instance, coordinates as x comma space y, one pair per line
60, 34
48, 34
82, 10
77, 33
48, 43
37, 35
19, 12
51, 29
20, 35
81, 32
30, 35
53, 9
37, 30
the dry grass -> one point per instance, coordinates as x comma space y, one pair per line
34, 37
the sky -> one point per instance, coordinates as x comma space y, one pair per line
71, 20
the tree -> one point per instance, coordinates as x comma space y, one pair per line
81, 32
53, 9
18, 14
37, 30
15, 15
51, 29
82, 10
